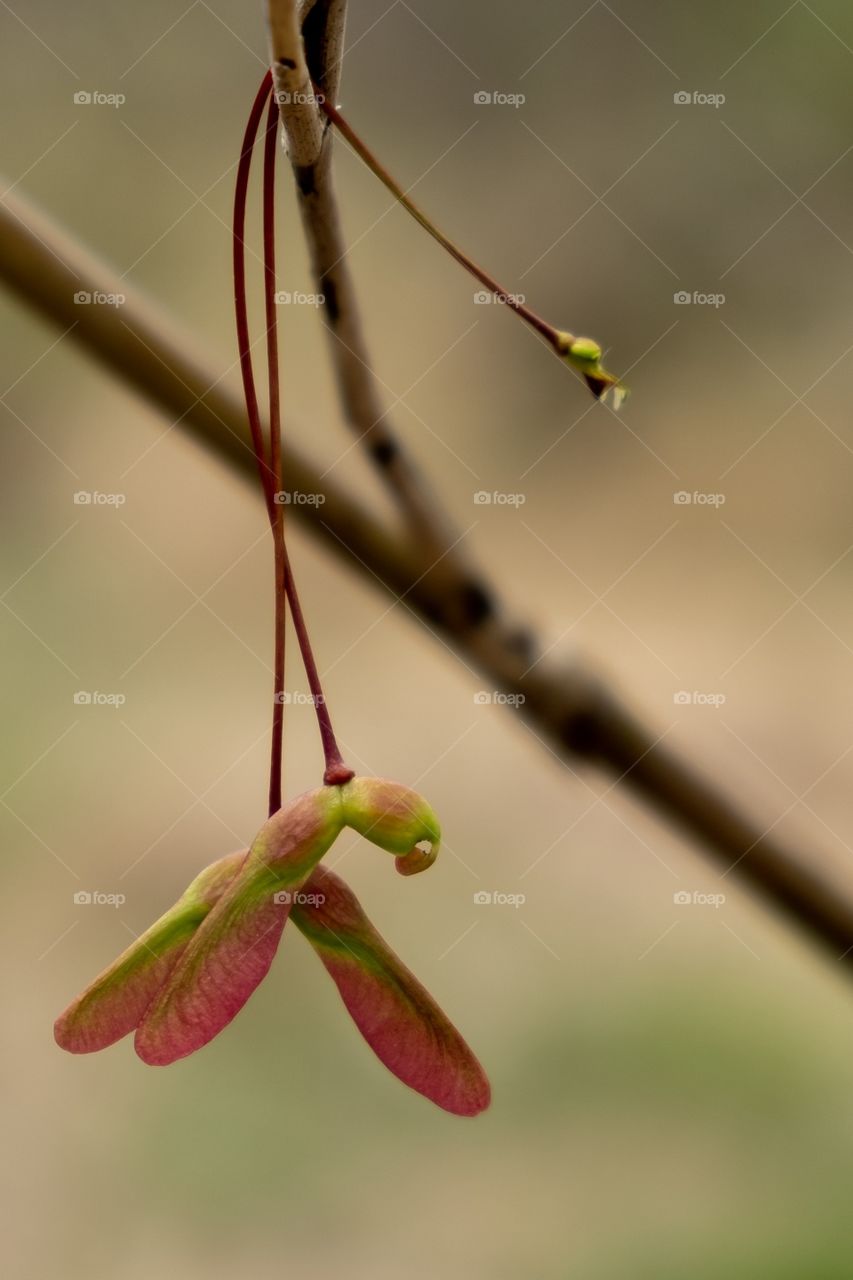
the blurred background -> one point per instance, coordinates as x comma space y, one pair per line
671, 1065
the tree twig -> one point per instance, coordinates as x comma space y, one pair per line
320, 52
294, 92
572, 711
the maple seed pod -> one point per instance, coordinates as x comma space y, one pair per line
114, 1004
398, 1018
395, 818
234, 945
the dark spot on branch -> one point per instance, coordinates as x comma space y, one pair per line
288, 63
384, 452
306, 179
477, 606
433, 610
522, 643
580, 733
330, 299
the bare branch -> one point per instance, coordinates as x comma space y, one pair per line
570, 710
359, 392
300, 115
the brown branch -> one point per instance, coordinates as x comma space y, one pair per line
362, 402
572, 711
294, 92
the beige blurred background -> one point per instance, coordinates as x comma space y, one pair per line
671, 1083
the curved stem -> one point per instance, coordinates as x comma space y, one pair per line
277, 519
554, 337
582, 354
336, 772
241, 310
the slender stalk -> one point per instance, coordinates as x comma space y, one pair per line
281, 575
360, 147
583, 353
241, 190
336, 772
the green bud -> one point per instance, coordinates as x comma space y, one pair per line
585, 350
393, 817
584, 354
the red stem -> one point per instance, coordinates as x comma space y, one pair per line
547, 331
336, 772
240, 304
281, 575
